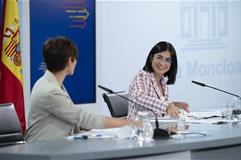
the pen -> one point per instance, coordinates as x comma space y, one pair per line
80, 137
220, 122
210, 117
98, 135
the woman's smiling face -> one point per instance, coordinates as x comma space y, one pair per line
161, 63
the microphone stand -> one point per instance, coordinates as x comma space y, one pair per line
158, 132
204, 85
236, 111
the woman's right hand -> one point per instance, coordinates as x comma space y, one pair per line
172, 110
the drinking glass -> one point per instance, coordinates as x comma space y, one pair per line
227, 112
144, 132
181, 124
236, 108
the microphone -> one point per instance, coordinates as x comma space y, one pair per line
158, 132
204, 85
108, 90
198, 83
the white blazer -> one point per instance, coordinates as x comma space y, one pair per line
53, 114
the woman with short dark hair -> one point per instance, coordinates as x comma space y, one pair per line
52, 113
149, 87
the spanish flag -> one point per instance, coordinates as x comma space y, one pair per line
11, 80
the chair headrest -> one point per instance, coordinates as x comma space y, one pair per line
9, 122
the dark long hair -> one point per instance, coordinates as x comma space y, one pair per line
162, 47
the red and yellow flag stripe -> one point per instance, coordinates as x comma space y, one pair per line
11, 80
11, 56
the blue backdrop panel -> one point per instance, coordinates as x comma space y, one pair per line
74, 19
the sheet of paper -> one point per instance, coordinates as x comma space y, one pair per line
164, 119
96, 133
216, 120
200, 115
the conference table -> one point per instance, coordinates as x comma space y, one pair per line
222, 141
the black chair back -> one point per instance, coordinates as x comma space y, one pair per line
117, 105
10, 126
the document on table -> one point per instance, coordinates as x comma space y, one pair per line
190, 116
96, 133
166, 119
213, 117
210, 121
204, 115
209, 117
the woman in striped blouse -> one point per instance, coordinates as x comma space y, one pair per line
149, 88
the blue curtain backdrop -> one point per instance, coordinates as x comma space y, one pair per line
74, 19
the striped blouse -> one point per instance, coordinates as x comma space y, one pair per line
144, 91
